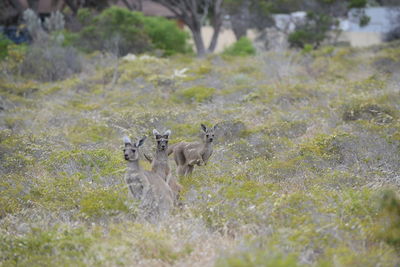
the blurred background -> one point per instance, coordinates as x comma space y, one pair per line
166, 27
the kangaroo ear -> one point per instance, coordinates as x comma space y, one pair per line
215, 127
127, 140
155, 132
167, 132
204, 128
140, 142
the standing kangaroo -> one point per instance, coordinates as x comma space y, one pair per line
160, 163
186, 155
155, 196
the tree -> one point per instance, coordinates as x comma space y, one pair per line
245, 14
322, 16
9, 11
194, 13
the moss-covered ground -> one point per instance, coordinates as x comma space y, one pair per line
305, 170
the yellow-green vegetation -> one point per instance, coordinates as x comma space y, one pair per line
305, 168
195, 94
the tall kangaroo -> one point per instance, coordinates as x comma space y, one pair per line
186, 155
155, 196
160, 163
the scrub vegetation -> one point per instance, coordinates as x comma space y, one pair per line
305, 168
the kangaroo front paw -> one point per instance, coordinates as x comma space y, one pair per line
194, 162
201, 163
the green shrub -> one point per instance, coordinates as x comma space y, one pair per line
158, 245
243, 47
4, 43
123, 31
195, 94
93, 164
57, 193
166, 35
53, 247
258, 257
312, 32
390, 218
114, 28
103, 201
357, 3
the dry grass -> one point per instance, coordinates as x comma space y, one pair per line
307, 146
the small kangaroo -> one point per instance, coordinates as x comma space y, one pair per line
155, 196
160, 163
186, 155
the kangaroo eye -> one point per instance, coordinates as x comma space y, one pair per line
133, 150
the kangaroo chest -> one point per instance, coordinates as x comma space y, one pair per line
207, 154
160, 165
135, 183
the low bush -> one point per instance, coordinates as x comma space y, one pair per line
379, 114
105, 201
195, 94
49, 61
4, 43
258, 257
113, 29
54, 247
312, 32
166, 35
243, 47
390, 218
122, 31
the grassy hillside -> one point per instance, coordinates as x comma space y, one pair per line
305, 170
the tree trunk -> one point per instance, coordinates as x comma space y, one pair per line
71, 4
17, 5
34, 5
217, 24
214, 39
198, 41
239, 26
139, 5
128, 5
240, 19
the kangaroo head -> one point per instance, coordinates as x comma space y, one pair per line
161, 139
209, 133
131, 151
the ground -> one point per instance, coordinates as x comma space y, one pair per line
305, 169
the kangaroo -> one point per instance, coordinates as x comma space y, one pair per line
160, 164
154, 195
187, 155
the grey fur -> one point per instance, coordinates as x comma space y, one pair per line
160, 163
154, 195
187, 155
